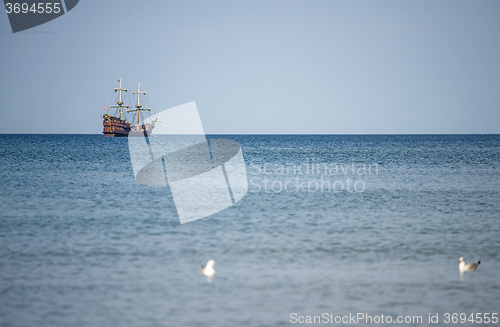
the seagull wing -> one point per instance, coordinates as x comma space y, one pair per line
473, 266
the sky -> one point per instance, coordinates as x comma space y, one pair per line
261, 67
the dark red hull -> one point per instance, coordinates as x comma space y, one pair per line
115, 126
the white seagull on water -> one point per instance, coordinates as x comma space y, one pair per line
208, 269
462, 266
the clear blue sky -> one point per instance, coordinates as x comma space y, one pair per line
330, 67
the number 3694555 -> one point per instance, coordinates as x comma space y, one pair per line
36, 8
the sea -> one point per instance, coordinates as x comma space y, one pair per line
335, 230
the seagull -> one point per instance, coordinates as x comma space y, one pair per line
208, 269
462, 266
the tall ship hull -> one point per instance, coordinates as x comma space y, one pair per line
114, 126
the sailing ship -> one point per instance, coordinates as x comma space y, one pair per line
114, 126
117, 126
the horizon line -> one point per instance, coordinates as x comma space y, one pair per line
271, 134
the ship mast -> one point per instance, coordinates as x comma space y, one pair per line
138, 106
120, 104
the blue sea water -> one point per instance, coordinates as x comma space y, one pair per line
339, 224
